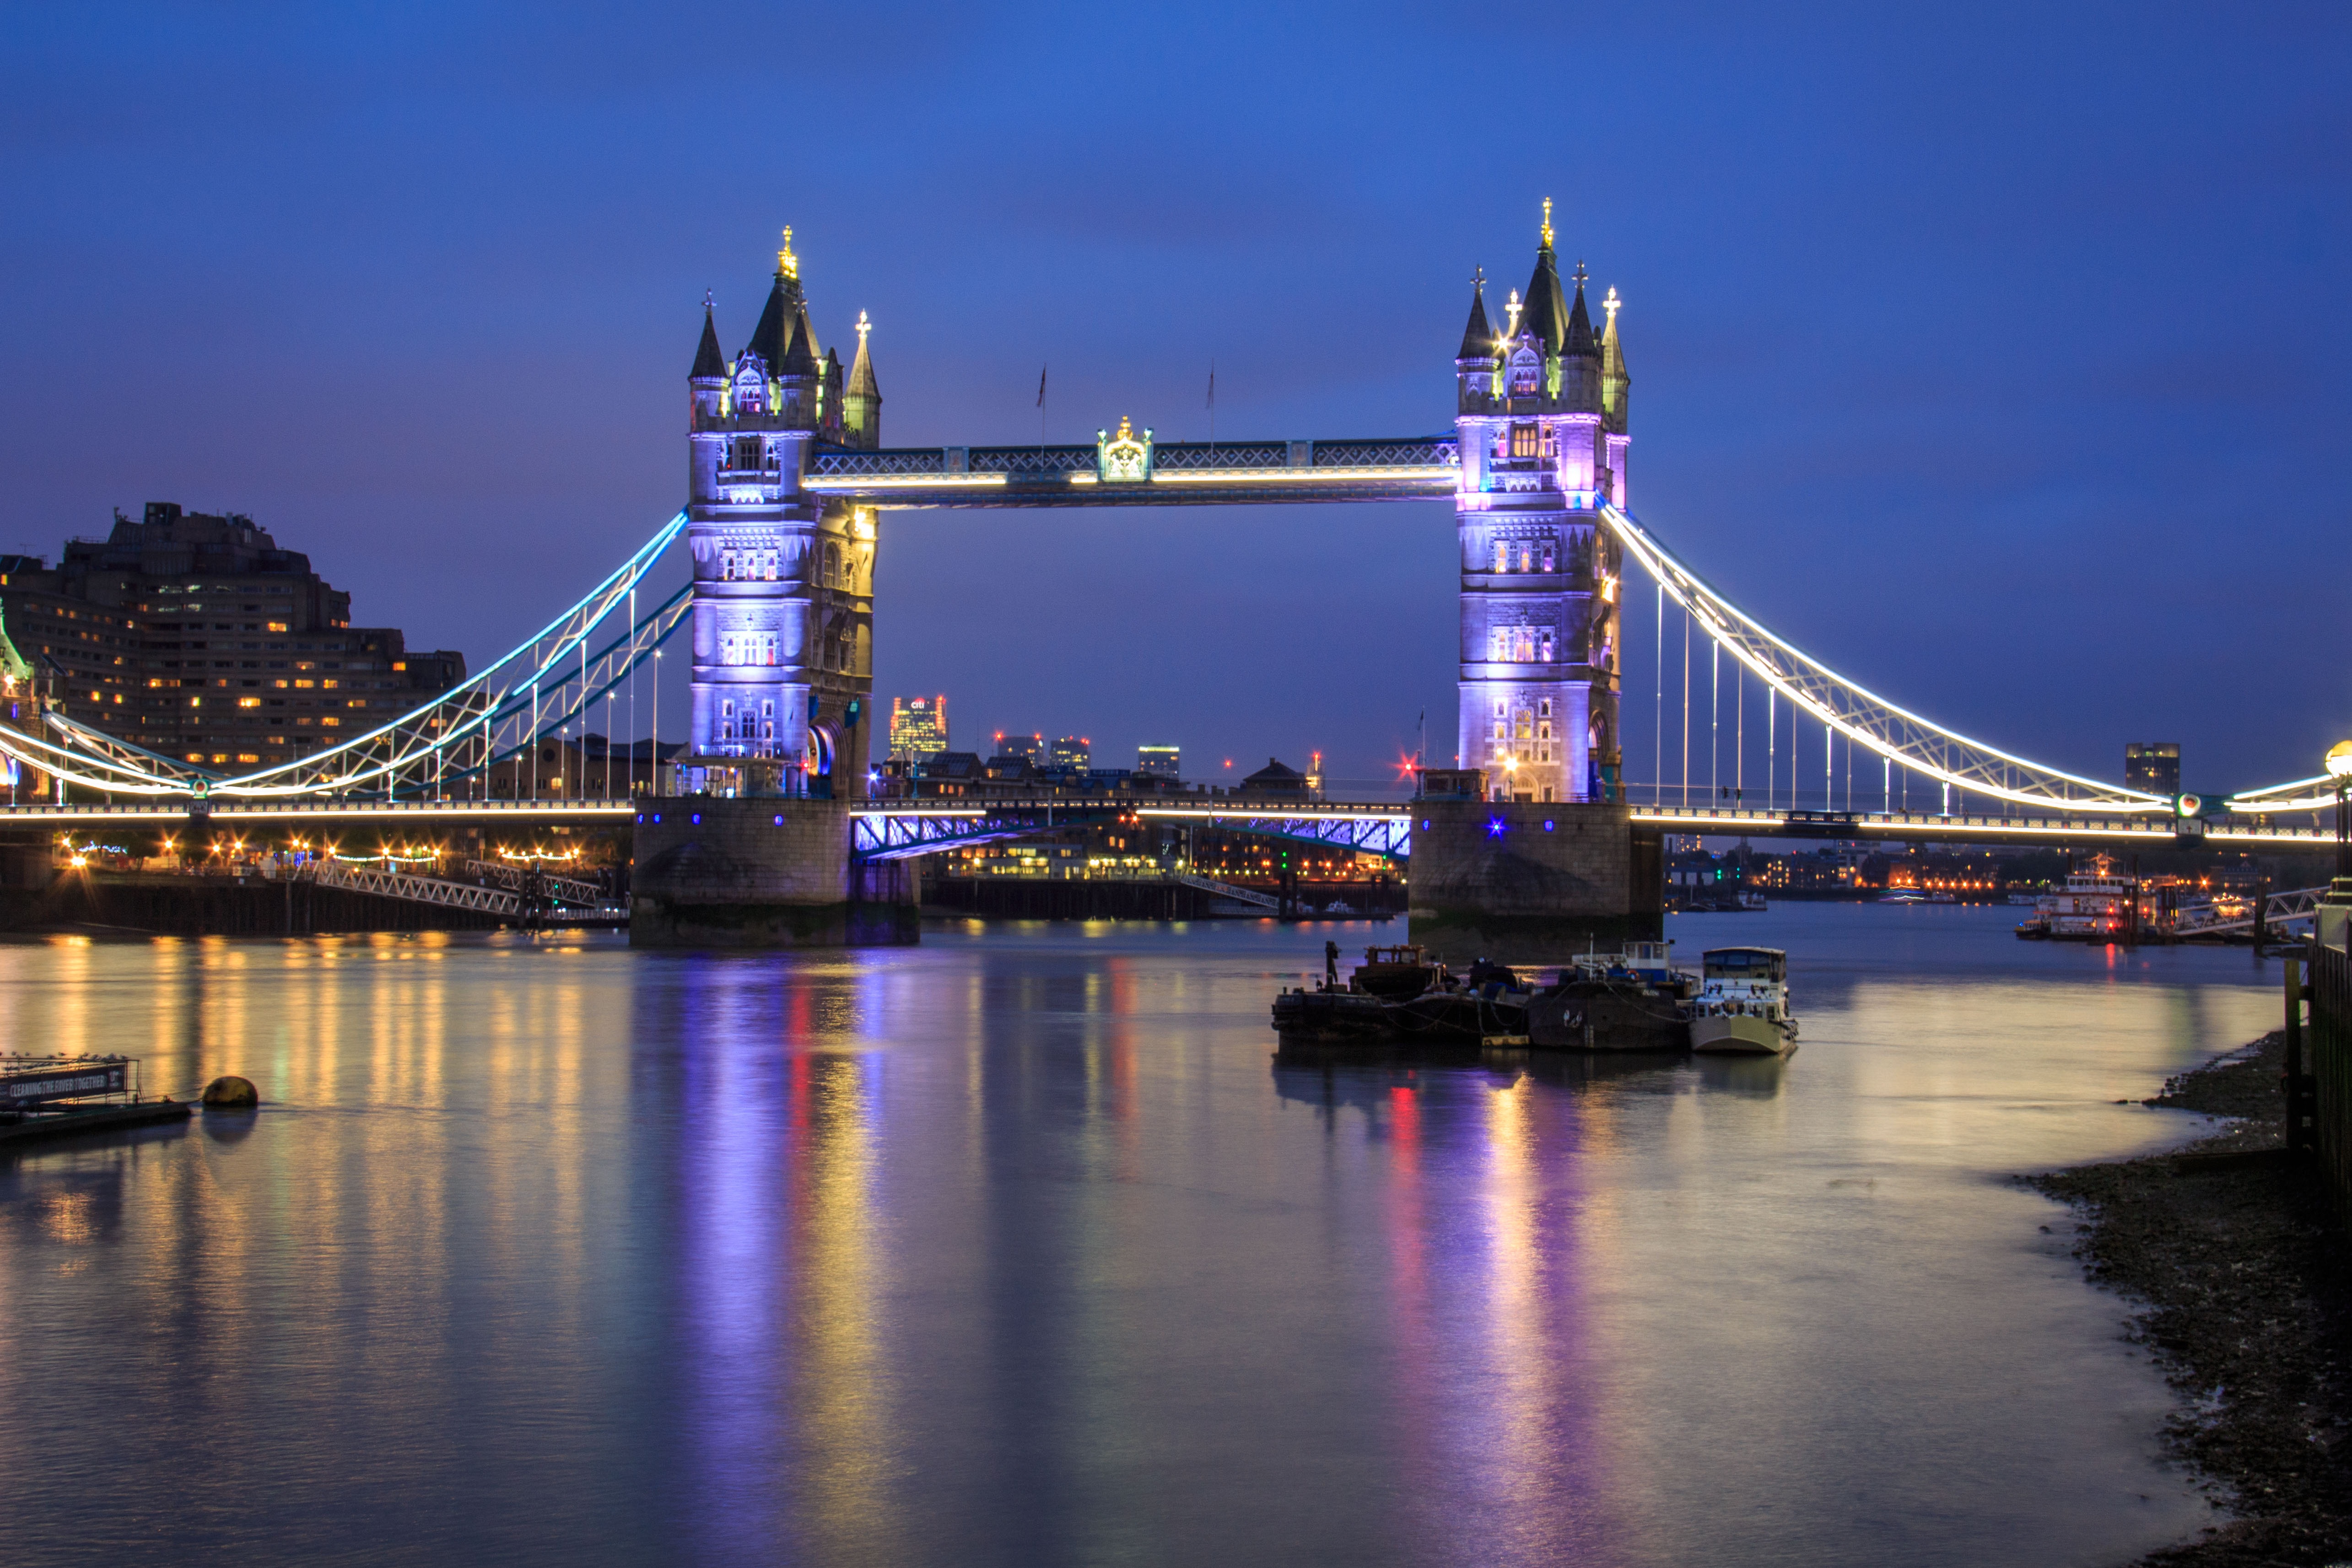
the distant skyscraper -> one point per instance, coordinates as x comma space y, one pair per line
918, 727
1159, 761
2153, 766
1071, 751
1032, 746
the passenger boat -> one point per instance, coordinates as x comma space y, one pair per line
2096, 905
1742, 1005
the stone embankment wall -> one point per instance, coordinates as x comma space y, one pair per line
761, 872
1529, 882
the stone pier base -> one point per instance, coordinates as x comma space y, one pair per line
761, 872
1532, 883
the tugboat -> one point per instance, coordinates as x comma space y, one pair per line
1742, 1006
1333, 1014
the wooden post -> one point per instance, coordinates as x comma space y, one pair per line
2293, 1030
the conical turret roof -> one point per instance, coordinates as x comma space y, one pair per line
1478, 336
1579, 339
861, 369
772, 337
1545, 312
710, 364
800, 354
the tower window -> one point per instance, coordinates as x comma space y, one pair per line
1502, 555
1551, 557
1543, 708
748, 453
1524, 441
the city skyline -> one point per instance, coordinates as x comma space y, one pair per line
1913, 366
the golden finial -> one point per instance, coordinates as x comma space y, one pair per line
787, 263
1610, 304
1547, 222
863, 326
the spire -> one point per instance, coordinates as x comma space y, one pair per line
1614, 382
861, 369
800, 354
1579, 338
1478, 336
710, 364
773, 334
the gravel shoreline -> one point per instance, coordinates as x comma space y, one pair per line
2237, 1266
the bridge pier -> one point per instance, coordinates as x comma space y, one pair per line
761, 872
1531, 883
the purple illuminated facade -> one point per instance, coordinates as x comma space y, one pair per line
1541, 418
783, 580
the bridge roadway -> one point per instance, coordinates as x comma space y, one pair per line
1173, 474
893, 830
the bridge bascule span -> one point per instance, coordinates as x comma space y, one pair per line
781, 532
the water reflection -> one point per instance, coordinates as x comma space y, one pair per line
1028, 1247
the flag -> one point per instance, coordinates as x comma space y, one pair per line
1212, 384
1040, 386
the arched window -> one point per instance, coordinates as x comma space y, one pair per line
1502, 555
1523, 441
1527, 557
1551, 557
770, 562
1494, 644
1543, 648
832, 570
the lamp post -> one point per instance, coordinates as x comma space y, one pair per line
2339, 768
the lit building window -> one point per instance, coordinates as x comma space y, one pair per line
1524, 440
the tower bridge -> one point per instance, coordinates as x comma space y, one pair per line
787, 481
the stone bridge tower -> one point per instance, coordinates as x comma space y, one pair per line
783, 580
1541, 419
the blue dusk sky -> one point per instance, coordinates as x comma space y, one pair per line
1996, 355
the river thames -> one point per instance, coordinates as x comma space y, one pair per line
1025, 1247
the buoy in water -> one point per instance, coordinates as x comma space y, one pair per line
232, 1094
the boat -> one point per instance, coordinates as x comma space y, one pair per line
1490, 1005
1329, 1016
2096, 905
1396, 972
1629, 1001
1742, 1006
1903, 897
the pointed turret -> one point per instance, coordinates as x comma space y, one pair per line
1615, 382
1580, 339
772, 339
800, 352
861, 405
710, 364
1545, 313
1478, 336
707, 383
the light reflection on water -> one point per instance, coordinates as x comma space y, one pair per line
1025, 1247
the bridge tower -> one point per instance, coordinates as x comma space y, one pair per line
1542, 419
783, 580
